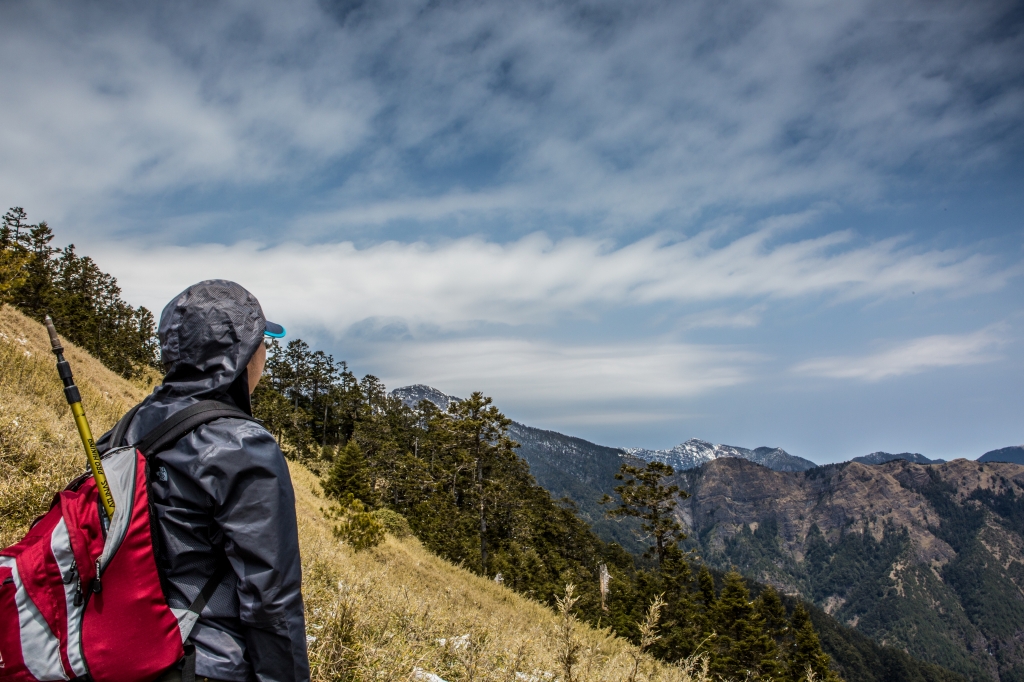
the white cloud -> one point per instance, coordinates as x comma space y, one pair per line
912, 357
460, 283
570, 376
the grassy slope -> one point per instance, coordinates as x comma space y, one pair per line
378, 614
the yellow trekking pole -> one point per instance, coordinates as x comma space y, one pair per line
75, 401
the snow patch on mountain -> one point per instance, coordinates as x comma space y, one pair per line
412, 395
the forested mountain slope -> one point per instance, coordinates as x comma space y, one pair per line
565, 466
923, 557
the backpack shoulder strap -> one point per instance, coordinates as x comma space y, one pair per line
181, 422
121, 427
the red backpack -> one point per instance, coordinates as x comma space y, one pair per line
83, 599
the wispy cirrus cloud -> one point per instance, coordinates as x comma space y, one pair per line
535, 280
912, 357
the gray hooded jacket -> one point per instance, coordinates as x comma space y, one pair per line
223, 492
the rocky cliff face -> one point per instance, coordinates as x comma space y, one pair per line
924, 557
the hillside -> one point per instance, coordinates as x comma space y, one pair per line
924, 558
383, 614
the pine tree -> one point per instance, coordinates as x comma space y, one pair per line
743, 643
772, 614
643, 496
706, 585
805, 651
13, 261
349, 475
357, 526
683, 629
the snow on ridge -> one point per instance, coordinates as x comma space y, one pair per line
695, 452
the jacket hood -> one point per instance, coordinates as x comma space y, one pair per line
208, 334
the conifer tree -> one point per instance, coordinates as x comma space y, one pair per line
805, 651
742, 644
706, 584
349, 475
772, 614
645, 497
684, 628
13, 258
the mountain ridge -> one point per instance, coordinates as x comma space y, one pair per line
695, 452
883, 457
1013, 454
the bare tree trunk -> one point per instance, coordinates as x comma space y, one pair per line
483, 518
323, 443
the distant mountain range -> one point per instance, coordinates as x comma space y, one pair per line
695, 452
883, 457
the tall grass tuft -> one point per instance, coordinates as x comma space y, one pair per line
648, 628
569, 645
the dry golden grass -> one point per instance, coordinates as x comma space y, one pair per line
40, 450
396, 612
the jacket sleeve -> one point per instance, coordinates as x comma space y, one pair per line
254, 508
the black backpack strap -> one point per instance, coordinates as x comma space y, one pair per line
121, 427
181, 422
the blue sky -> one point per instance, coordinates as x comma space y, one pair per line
793, 223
